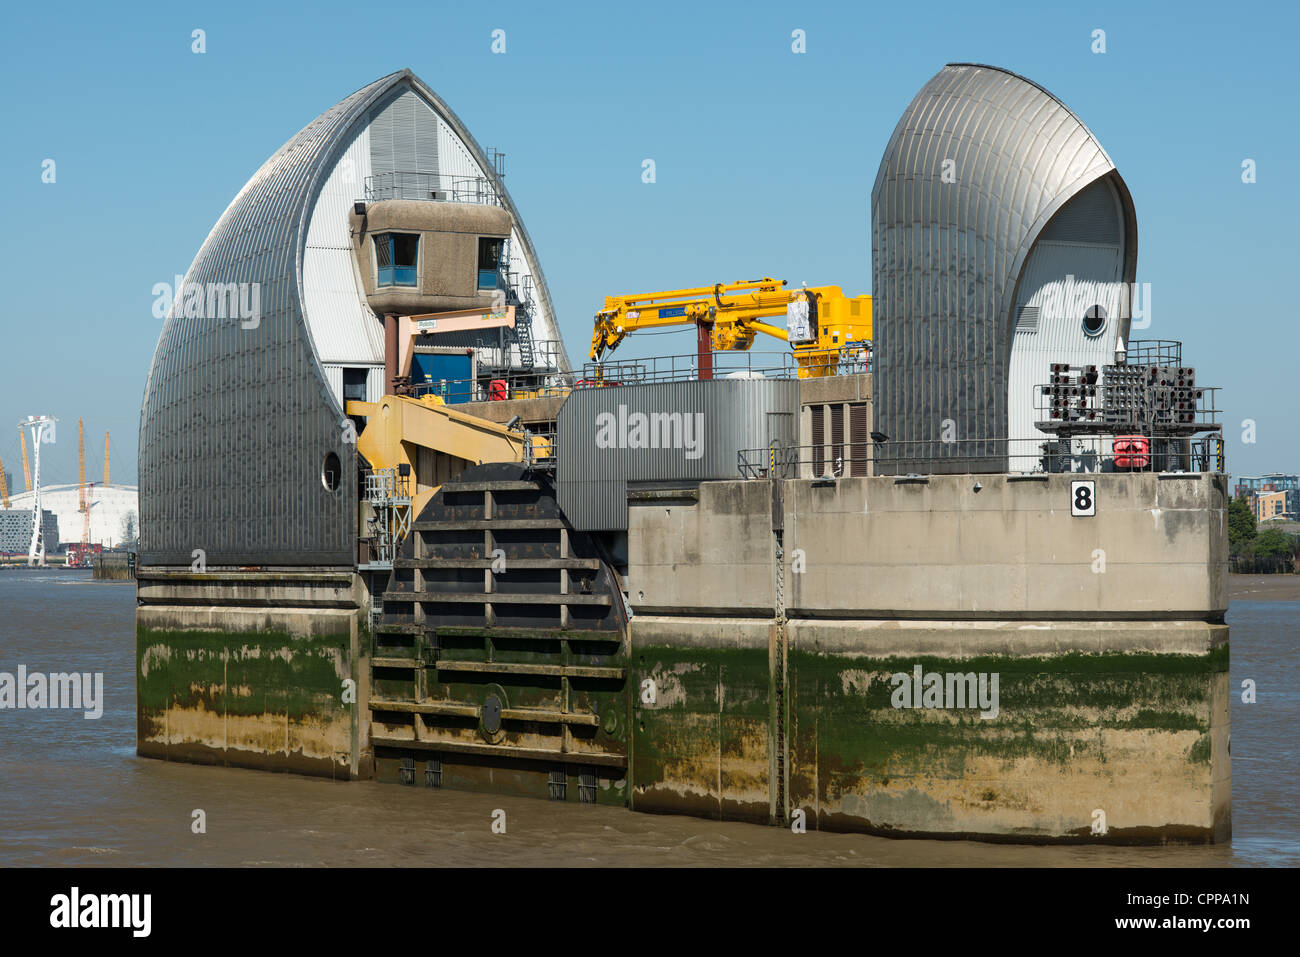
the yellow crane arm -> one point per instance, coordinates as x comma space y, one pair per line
733, 315
27, 469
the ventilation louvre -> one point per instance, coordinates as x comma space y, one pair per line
1028, 319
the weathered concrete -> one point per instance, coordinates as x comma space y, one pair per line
888, 547
775, 688
714, 557
1156, 547
251, 669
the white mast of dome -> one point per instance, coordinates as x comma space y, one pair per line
38, 425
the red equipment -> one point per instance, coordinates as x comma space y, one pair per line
1132, 452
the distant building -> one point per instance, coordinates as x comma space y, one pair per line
1275, 496
16, 530
109, 510
1248, 485
1280, 505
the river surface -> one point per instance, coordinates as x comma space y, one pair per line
72, 791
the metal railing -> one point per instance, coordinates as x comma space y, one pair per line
748, 364
678, 368
438, 187
1154, 352
519, 385
546, 379
1088, 454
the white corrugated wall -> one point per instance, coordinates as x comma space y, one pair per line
342, 327
1059, 336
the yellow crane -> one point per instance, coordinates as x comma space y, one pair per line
821, 322
27, 469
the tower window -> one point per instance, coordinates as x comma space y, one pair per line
1094, 321
397, 255
490, 253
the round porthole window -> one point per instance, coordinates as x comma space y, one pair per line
1094, 321
331, 472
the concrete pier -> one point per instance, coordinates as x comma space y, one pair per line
804, 640
254, 669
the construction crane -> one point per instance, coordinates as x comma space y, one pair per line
27, 470
821, 322
81, 465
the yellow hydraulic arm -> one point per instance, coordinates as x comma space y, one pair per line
820, 320
398, 427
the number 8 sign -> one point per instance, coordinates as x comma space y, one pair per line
1083, 499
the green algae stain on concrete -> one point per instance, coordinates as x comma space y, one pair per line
241, 671
701, 744
1046, 706
1070, 730
254, 699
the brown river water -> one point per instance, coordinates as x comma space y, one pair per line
73, 792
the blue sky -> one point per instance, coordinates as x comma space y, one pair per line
764, 159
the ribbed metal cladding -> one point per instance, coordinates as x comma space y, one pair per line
236, 422
946, 256
592, 481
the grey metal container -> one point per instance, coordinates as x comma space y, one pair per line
600, 450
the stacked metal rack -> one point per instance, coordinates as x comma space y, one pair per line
1071, 396
1164, 397
1134, 395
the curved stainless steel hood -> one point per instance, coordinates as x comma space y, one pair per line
980, 163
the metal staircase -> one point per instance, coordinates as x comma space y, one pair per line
524, 323
519, 293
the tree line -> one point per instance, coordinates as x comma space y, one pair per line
1250, 550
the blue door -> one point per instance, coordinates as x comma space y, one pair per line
446, 375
